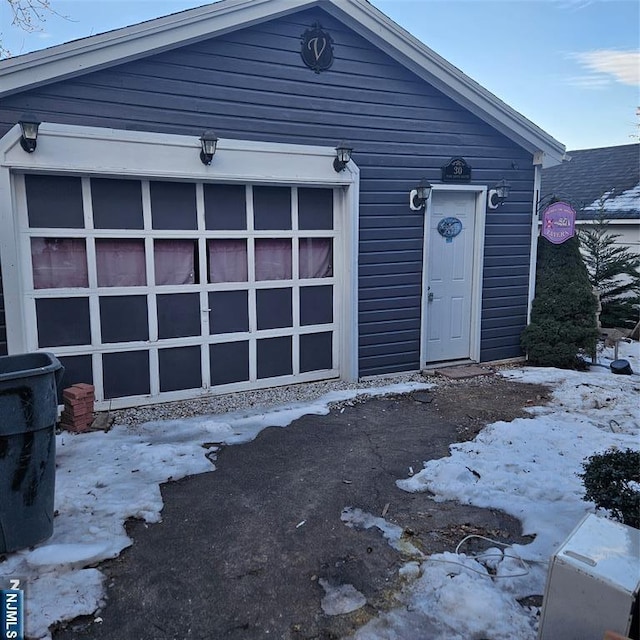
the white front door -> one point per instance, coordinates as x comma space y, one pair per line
449, 276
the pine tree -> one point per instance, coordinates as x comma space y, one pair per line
563, 314
613, 270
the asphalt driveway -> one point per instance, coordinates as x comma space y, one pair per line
240, 551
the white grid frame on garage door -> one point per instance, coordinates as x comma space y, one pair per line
160, 289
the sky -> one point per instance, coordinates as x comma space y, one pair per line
527, 468
570, 66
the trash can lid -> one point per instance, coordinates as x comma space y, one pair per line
621, 367
26, 365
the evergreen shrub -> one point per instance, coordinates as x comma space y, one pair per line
563, 313
614, 270
612, 480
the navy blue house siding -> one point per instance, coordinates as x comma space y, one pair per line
252, 84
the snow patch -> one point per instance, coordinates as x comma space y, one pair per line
344, 598
59, 555
356, 518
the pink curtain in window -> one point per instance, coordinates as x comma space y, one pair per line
120, 262
174, 261
316, 258
273, 259
228, 260
59, 262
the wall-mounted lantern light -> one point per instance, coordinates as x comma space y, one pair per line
418, 197
29, 126
208, 143
498, 194
343, 155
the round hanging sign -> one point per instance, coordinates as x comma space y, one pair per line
449, 228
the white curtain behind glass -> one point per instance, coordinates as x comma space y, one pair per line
316, 258
120, 262
273, 259
174, 261
59, 262
228, 260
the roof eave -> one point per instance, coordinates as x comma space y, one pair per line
154, 36
139, 40
427, 64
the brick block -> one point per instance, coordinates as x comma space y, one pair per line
76, 417
78, 404
74, 424
73, 393
79, 391
89, 388
78, 411
75, 428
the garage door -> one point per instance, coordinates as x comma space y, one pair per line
155, 288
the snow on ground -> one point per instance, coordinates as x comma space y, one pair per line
103, 479
527, 468
344, 598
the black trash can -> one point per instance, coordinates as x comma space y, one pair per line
28, 412
621, 367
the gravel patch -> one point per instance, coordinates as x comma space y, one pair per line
260, 398
278, 396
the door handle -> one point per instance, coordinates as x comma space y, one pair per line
430, 296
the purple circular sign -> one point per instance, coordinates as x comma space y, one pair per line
558, 222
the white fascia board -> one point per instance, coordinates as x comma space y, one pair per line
72, 149
631, 222
114, 47
427, 64
139, 40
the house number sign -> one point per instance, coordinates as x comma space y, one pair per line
558, 222
317, 49
456, 170
449, 228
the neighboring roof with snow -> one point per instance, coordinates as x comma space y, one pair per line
146, 38
591, 178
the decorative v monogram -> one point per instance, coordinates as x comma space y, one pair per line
314, 42
316, 51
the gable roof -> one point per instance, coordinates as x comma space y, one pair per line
610, 173
153, 36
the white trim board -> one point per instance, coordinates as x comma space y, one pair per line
69, 148
533, 247
147, 38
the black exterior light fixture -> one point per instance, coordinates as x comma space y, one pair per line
418, 197
208, 143
29, 126
343, 155
498, 194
